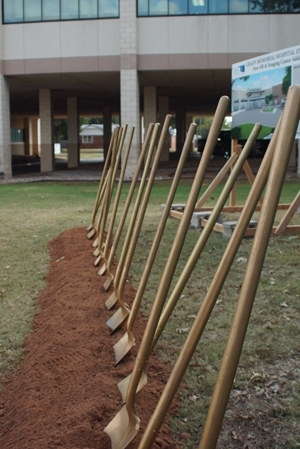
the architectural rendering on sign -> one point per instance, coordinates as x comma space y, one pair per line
259, 89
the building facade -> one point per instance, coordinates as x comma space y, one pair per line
145, 58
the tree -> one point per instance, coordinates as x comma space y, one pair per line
287, 80
268, 98
203, 125
60, 129
242, 78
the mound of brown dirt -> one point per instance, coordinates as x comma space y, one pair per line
65, 392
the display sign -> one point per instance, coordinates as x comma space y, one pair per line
259, 89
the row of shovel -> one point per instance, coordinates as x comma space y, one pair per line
125, 425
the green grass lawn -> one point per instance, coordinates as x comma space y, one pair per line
267, 384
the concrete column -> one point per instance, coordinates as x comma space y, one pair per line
46, 130
5, 145
130, 114
130, 97
107, 119
33, 136
73, 132
163, 110
150, 106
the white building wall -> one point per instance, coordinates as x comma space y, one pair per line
238, 34
61, 39
211, 41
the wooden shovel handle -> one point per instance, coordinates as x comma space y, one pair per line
284, 145
169, 269
129, 196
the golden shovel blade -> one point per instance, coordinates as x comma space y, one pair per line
91, 233
96, 252
108, 282
129, 424
95, 243
102, 270
123, 346
98, 260
111, 301
123, 385
118, 318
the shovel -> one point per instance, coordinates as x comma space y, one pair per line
121, 314
123, 385
116, 201
125, 425
101, 189
123, 346
248, 290
288, 127
125, 211
116, 154
111, 301
117, 197
109, 184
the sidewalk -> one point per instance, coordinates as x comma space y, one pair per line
92, 172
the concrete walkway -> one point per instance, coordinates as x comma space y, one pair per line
91, 171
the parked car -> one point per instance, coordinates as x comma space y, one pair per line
223, 146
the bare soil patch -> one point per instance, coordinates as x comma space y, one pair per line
65, 392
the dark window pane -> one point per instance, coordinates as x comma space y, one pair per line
17, 135
295, 6
274, 6
51, 10
258, 6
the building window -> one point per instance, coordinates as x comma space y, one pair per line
199, 6
87, 139
51, 9
32, 11
108, 8
195, 7
17, 135
15, 11
238, 7
218, 7
88, 9
69, 10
